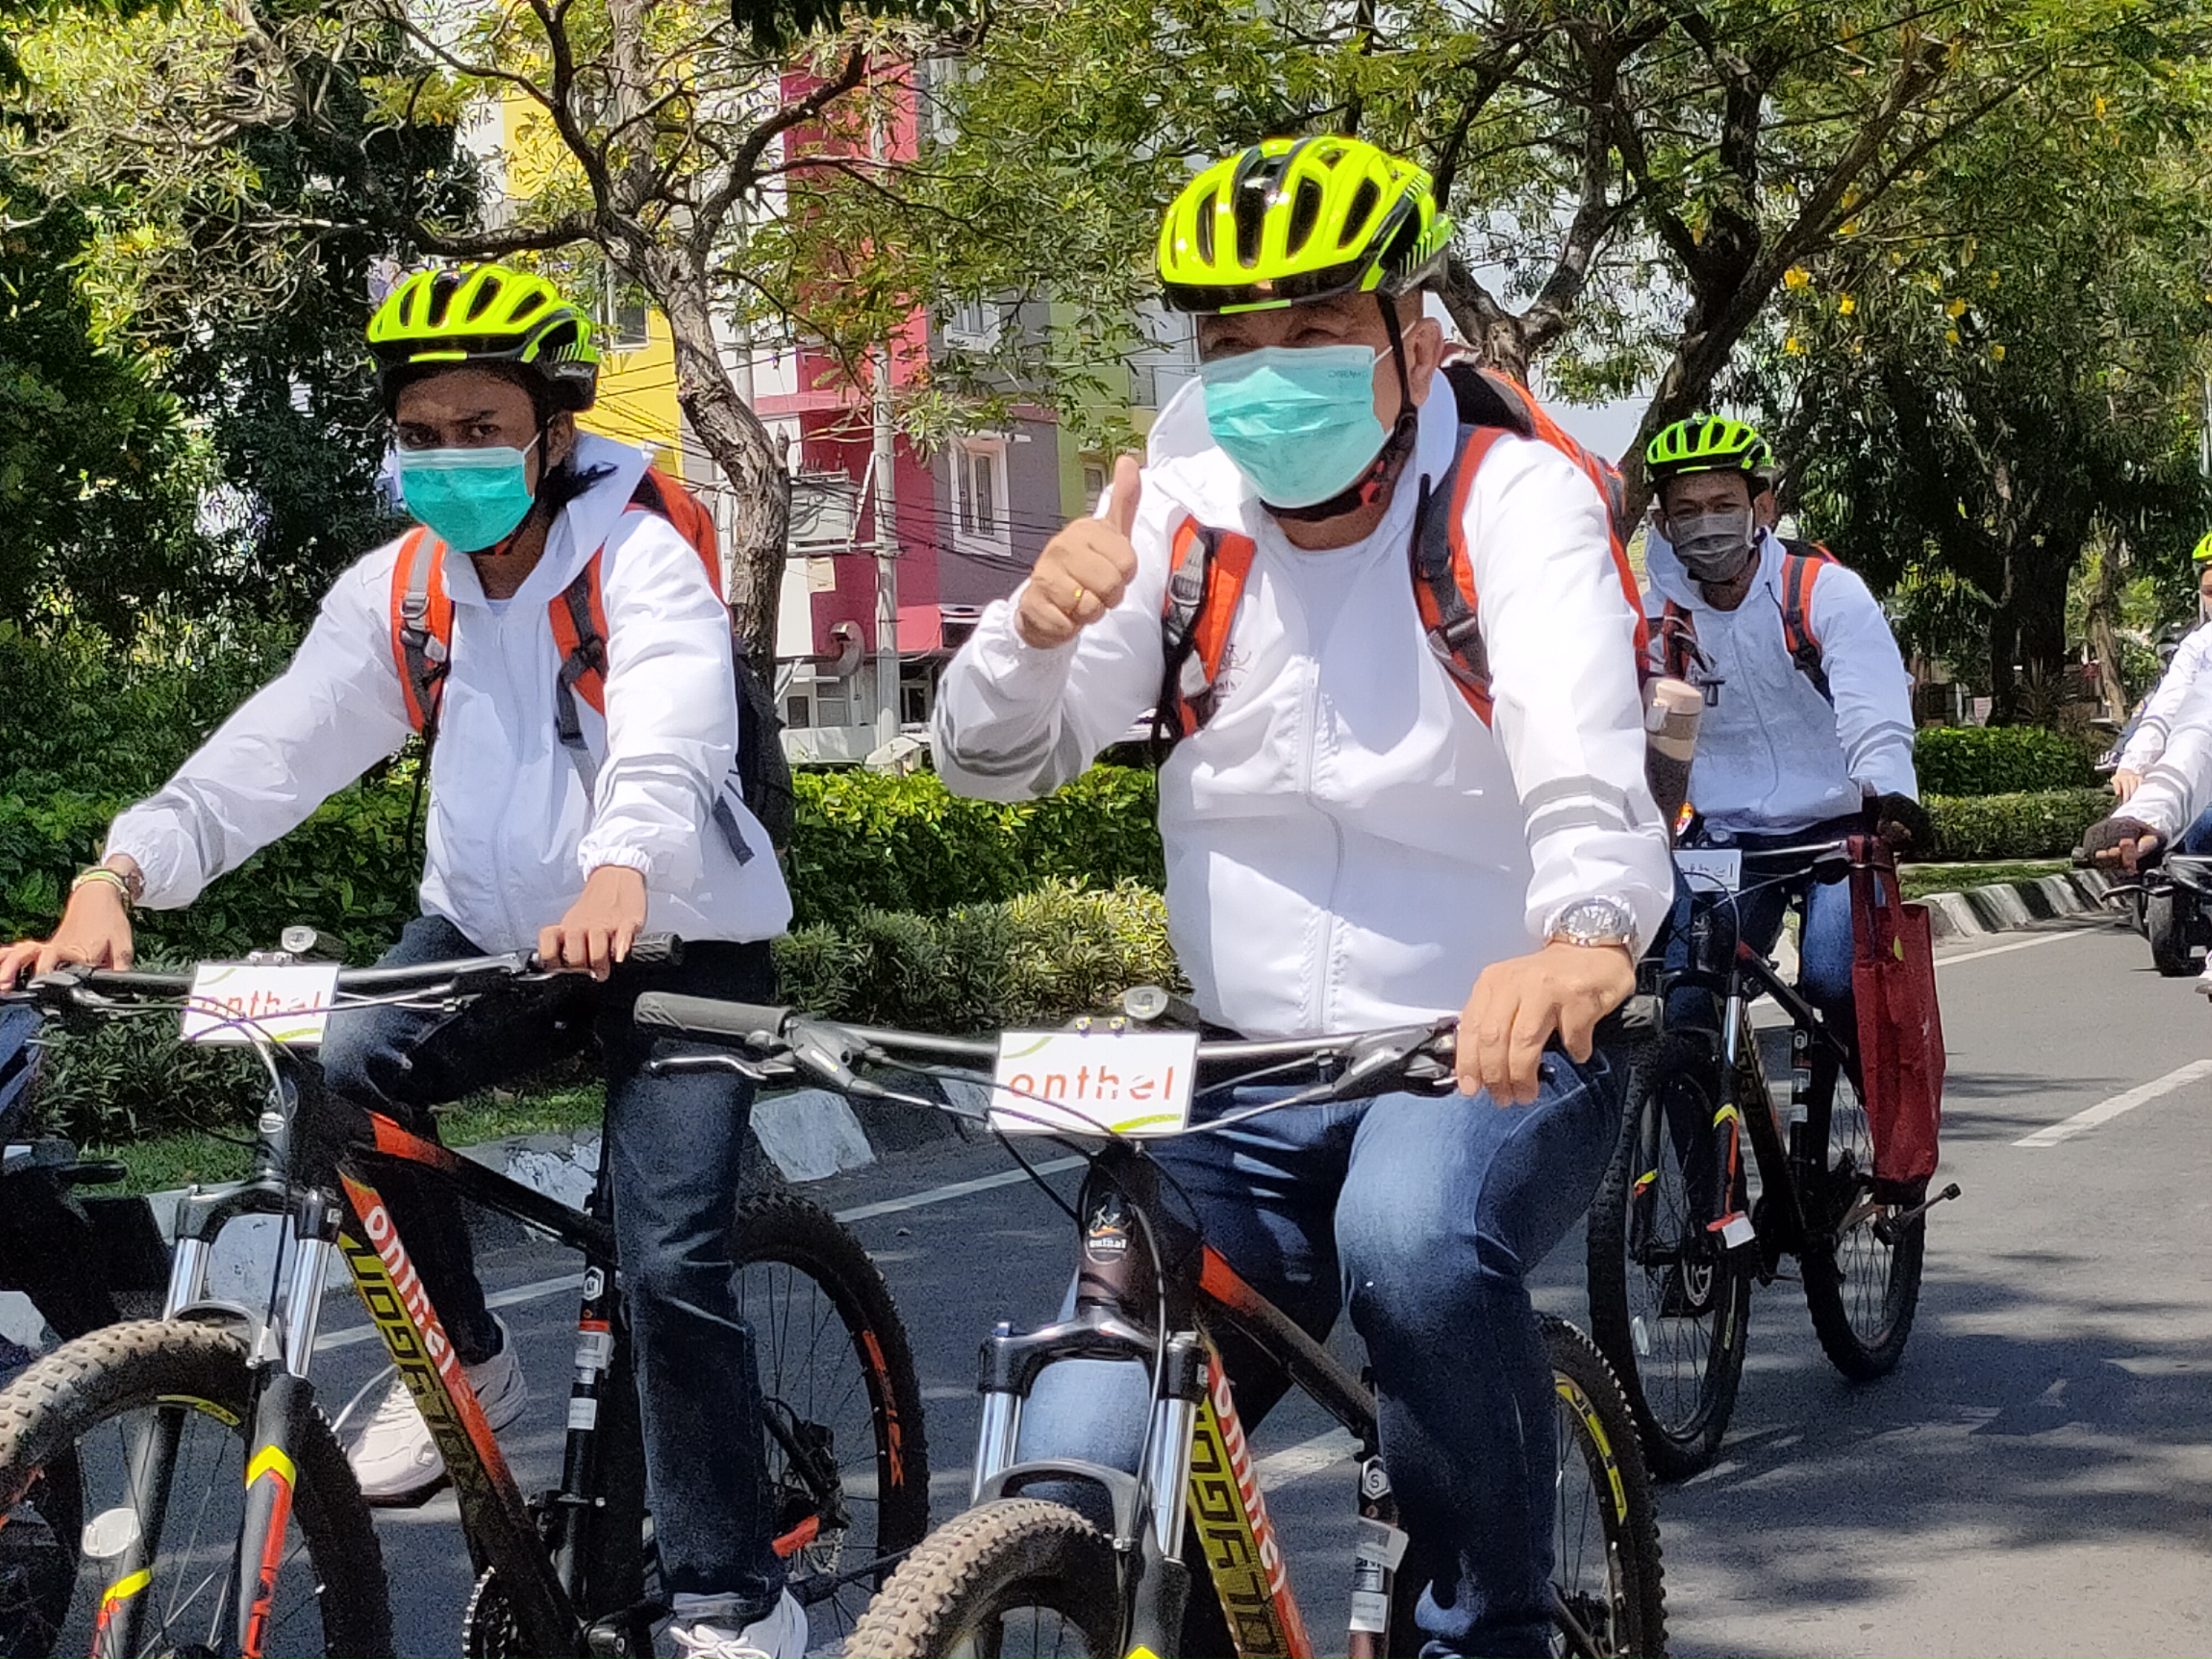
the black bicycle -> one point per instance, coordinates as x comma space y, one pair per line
1017, 1575
217, 1513
1676, 1239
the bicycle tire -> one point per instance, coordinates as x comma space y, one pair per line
1650, 1250
1629, 1620
2166, 925
1862, 1294
780, 1231
990, 1566
65, 1399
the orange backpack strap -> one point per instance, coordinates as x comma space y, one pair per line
578, 614
667, 497
1678, 644
1206, 574
422, 626
1444, 577
1800, 570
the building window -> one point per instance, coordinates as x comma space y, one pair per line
974, 325
979, 496
1094, 484
795, 714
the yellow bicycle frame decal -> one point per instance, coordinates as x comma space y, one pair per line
270, 1464
1247, 1566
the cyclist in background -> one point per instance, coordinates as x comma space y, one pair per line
1809, 708
2154, 724
530, 845
1349, 844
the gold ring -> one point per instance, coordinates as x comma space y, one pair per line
1079, 596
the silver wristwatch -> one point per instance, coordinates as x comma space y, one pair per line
1593, 922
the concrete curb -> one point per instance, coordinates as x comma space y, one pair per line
2006, 906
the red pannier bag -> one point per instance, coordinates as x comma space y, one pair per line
1900, 1027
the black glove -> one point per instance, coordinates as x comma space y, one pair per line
2119, 841
1903, 822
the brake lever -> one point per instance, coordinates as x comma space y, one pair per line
758, 1071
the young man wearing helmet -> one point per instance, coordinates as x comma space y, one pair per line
530, 845
2154, 724
1809, 715
1349, 844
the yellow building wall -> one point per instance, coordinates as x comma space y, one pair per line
637, 389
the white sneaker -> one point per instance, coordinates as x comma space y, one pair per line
782, 1635
393, 1456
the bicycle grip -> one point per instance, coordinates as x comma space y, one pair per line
656, 950
709, 1019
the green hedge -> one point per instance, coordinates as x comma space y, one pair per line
865, 841
1038, 960
2041, 824
2000, 760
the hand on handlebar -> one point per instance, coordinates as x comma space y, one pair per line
95, 932
1518, 1005
600, 926
2120, 842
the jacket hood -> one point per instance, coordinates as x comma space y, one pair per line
592, 516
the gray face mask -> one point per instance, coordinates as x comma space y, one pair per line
1713, 547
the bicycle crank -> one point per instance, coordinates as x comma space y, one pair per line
1886, 1228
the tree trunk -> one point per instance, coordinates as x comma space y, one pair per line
743, 451
2104, 636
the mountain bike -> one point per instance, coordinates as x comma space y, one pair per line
1018, 1575
219, 1515
1675, 1240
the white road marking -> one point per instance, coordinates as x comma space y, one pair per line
537, 1290
1315, 1456
2017, 944
957, 1189
2106, 1110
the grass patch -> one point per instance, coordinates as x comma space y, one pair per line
162, 1162
1920, 879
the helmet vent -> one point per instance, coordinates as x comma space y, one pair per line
1306, 213
1363, 201
1249, 205
487, 293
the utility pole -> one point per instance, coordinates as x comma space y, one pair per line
885, 466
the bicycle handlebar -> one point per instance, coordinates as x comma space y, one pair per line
69, 986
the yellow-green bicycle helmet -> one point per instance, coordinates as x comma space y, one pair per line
484, 314
2203, 556
1296, 219
1709, 443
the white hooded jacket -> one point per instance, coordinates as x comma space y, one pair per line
2163, 709
1773, 754
511, 835
1347, 845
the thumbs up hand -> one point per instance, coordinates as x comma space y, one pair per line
1083, 570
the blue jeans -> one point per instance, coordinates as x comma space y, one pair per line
1422, 1217
672, 1146
2197, 838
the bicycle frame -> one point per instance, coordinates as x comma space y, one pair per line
342, 1214
1788, 1150
1197, 1464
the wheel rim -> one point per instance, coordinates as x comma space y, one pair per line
1591, 1502
186, 1600
1865, 1263
1023, 1629
1681, 1294
826, 1502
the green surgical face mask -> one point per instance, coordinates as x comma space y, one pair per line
1298, 421
469, 499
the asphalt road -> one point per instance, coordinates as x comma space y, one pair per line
2034, 1479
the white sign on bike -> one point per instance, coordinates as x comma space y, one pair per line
249, 1002
1123, 1082
1711, 867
